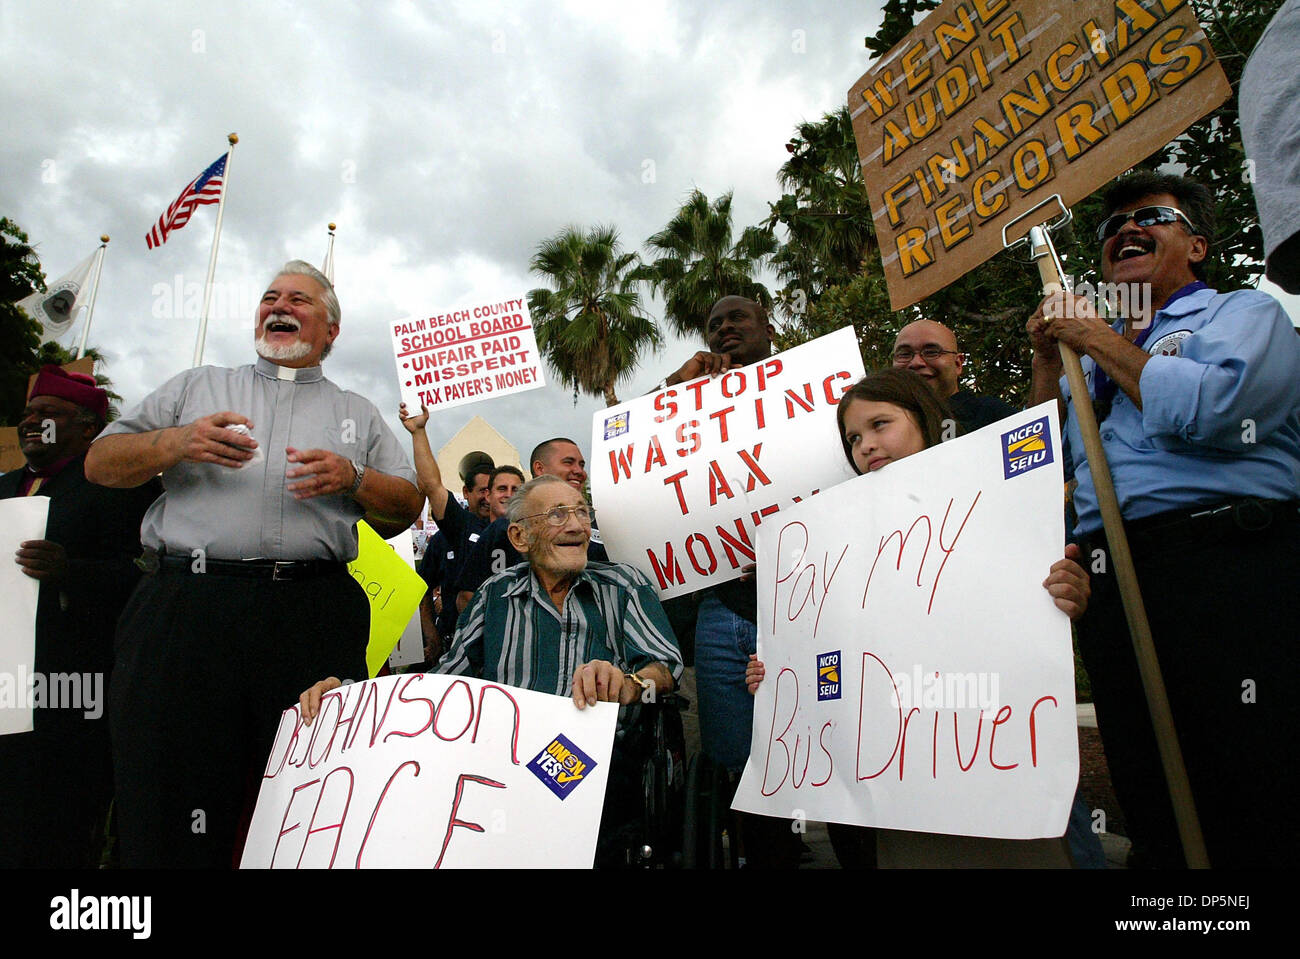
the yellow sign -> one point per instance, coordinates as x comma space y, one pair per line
990, 106
395, 591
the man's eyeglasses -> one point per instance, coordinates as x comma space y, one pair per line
559, 515
1143, 216
905, 354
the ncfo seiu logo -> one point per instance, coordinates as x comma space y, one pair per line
1026, 448
828, 675
616, 425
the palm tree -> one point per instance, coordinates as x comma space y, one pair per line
699, 264
590, 326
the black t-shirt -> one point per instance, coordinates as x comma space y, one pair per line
975, 412
459, 531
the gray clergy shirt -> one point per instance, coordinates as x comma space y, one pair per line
246, 513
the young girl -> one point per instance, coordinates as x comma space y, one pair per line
885, 417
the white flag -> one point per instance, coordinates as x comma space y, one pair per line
56, 308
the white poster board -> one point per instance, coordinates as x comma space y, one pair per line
682, 478
21, 518
434, 771
919, 677
410, 647
477, 351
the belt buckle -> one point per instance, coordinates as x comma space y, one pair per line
276, 570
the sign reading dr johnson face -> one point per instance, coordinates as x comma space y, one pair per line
1025, 448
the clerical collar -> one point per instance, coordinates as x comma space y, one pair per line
274, 371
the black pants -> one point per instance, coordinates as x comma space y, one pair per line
1225, 616
205, 666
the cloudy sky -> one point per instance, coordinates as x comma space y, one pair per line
447, 140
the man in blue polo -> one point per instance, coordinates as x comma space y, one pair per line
1199, 415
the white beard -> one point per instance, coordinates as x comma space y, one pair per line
290, 352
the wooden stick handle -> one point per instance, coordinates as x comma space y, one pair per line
1162, 720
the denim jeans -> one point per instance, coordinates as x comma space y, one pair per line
723, 645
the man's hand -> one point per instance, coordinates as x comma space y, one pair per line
413, 424
702, 363
319, 472
603, 682
309, 701
1068, 584
207, 440
1066, 318
41, 559
755, 672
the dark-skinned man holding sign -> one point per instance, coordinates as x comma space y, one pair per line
1200, 420
267, 470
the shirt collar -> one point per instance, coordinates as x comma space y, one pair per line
527, 581
275, 371
1185, 301
54, 469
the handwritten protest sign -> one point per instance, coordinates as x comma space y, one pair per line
919, 677
435, 771
683, 477
990, 106
21, 518
394, 587
482, 350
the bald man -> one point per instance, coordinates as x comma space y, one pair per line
929, 349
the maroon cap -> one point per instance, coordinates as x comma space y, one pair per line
77, 388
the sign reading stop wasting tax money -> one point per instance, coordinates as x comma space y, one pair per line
683, 477
431, 771
918, 675
474, 352
990, 106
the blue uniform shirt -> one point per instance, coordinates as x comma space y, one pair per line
1220, 413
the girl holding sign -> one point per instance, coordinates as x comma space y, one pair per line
884, 417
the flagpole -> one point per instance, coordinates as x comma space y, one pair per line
328, 266
212, 259
94, 292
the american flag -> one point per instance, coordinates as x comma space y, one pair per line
203, 189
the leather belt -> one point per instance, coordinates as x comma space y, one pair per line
1205, 525
266, 569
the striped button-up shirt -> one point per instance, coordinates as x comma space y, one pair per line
511, 632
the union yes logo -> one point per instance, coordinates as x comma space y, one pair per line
561, 766
1026, 448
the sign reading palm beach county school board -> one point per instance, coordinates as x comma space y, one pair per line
918, 675
683, 477
431, 771
473, 352
990, 106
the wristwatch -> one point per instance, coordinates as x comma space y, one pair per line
361, 475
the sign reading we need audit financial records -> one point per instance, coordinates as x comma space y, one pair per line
682, 478
474, 352
990, 106
918, 676
424, 770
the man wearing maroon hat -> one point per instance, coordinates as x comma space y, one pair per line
56, 781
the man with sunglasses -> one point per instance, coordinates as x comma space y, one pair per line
1199, 415
929, 349
558, 624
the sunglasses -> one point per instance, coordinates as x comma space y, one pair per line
1143, 216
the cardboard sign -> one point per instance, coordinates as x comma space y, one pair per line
991, 106
471, 353
394, 587
21, 518
434, 771
919, 677
682, 478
